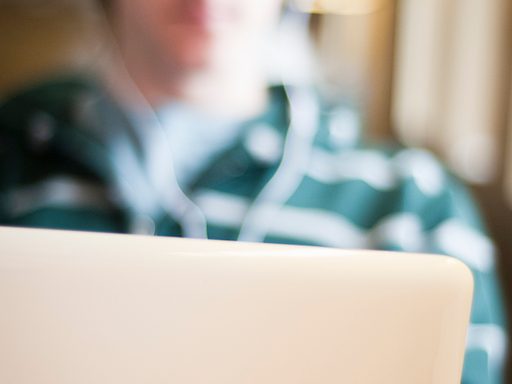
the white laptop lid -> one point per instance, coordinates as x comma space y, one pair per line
114, 309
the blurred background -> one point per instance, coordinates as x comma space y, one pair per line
430, 73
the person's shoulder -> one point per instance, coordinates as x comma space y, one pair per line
31, 122
34, 113
342, 147
54, 96
52, 88
389, 168
417, 167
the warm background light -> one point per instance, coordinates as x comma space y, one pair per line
342, 7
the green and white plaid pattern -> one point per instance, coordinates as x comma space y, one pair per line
298, 174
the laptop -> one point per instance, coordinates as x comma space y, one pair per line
88, 308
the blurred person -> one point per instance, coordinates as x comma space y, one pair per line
180, 134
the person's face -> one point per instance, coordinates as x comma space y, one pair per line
193, 33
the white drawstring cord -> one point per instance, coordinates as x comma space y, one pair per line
290, 172
297, 147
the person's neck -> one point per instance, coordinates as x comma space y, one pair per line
235, 90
